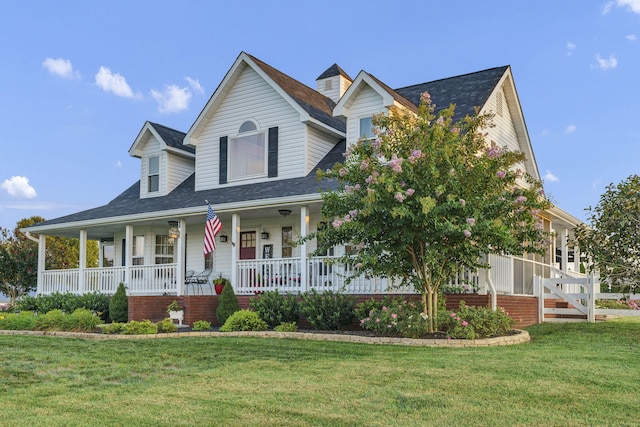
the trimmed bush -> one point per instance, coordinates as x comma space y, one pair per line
201, 325
475, 322
51, 321
119, 306
146, 327
275, 308
328, 311
286, 327
166, 326
244, 320
393, 316
22, 321
227, 304
113, 328
67, 302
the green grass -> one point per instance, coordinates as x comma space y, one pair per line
569, 375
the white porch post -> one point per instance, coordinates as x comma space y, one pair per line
235, 234
42, 251
182, 241
576, 259
565, 249
304, 230
128, 260
82, 261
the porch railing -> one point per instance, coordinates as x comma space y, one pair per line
142, 280
285, 274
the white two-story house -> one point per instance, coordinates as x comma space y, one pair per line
252, 154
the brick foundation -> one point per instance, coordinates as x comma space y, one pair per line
523, 309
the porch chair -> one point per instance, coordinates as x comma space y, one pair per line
200, 279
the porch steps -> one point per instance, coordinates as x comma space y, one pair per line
559, 311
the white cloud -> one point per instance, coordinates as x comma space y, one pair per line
549, 177
172, 99
545, 132
631, 37
118, 164
607, 7
195, 85
18, 186
570, 129
570, 48
595, 185
605, 64
633, 5
114, 83
60, 67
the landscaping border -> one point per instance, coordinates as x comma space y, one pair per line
520, 337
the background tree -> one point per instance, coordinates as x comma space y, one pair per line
612, 241
19, 257
428, 197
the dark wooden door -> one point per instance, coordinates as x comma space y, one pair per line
248, 245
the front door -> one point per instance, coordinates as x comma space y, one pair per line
248, 245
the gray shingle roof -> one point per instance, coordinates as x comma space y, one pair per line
332, 71
183, 196
172, 137
466, 91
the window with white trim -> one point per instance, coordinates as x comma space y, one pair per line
248, 152
365, 131
137, 251
287, 242
164, 250
153, 178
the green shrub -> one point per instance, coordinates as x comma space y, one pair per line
227, 304
201, 325
50, 321
145, 327
21, 321
167, 326
286, 327
275, 308
113, 328
67, 303
328, 311
81, 320
244, 320
96, 302
393, 316
475, 322
119, 306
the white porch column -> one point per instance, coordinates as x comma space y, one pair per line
128, 252
82, 261
576, 259
565, 249
304, 230
235, 235
180, 249
42, 251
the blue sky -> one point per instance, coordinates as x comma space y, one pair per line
79, 79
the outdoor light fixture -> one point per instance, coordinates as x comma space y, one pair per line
174, 233
223, 238
284, 212
264, 235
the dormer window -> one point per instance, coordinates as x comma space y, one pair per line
366, 128
153, 179
248, 152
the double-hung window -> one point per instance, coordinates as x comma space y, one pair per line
366, 128
153, 178
164, 250
248, 153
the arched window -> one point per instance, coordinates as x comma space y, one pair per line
248, 152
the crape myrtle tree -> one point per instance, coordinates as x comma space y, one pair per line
19, 257
612, 241
427, 197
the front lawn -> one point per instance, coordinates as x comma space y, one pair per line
570, 374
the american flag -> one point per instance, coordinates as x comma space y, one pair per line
211, 229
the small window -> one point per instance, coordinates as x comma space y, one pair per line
248, 152
287, 242
164, 250
108, 254
154, 174
366, 128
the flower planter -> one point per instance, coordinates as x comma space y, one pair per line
177, 315
218, 287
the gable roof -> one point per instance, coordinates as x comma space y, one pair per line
169, 139
332, 71
467, 91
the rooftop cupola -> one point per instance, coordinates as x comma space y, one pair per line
334, 82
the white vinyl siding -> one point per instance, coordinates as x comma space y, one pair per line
179, 168
318, 145
365, 103
251, 98
504, 133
